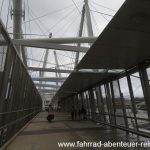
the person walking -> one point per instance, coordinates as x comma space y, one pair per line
73, 113
83, 113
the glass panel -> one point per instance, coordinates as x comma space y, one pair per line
127, 101
88, 103
118, 104
141, 111
100, 104
79, 100
95, 100
111, 105
105, 103
104, 99
84, 100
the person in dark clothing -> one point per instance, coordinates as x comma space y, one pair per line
50, 115
83, 113
73, 113
79, 114
50, 108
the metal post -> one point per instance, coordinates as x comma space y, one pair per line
57, 64
40, 74
17, 14
82, 98
24, 55
92, 104
132, 100
44, 65
123, 106
85, 11
113, 102
45, 57
102, 105
24, 52
88, 18
99, 103
44, 62
88, 104
110, 104
80, 34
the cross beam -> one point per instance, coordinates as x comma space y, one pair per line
50, 46
49, 70
47, 85
47, 90
49, 79
68, 40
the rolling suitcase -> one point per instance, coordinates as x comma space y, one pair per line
50, 116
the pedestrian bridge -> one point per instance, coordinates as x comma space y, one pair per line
112, 82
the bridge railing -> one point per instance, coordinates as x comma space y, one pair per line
19, 98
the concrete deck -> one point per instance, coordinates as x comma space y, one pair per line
42, 135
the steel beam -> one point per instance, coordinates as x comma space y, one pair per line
69, 40
46, 85
47, 94
49, 70
47, 90
50, 46
49, 79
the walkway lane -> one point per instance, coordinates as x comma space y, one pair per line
42, 135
